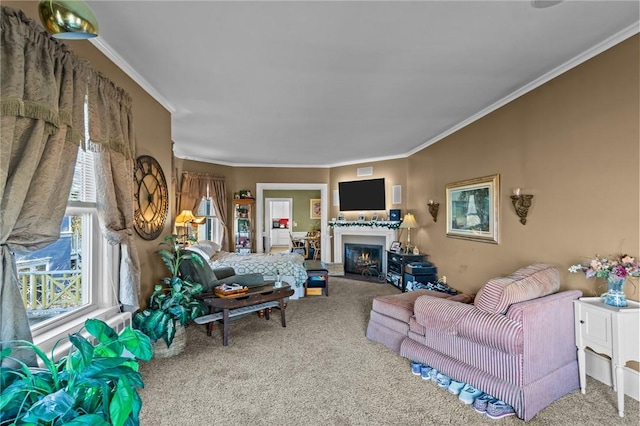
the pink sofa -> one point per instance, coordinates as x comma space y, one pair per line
516, 342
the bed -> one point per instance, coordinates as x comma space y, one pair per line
290, 265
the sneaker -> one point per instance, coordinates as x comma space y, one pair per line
498, 409
424, 372
415, 367
468, 394
455, 387
480, 403
442, 380
433, 375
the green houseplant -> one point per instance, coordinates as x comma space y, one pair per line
172, 301
95, 384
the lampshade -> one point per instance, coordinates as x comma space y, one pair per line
185, 217
71, 20
409, 222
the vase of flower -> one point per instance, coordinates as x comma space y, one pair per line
615, 291
615, 270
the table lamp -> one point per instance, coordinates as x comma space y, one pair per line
184, 220
408, 222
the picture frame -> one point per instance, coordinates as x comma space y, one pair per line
374, 217
472, 209
361, 217
315, 208
395, 246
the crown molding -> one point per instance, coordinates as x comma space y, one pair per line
608, 43
128, 69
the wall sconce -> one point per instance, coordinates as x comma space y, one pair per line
521, 202
433, 209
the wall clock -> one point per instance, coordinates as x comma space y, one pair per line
150, 198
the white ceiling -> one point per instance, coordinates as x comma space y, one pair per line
332, 83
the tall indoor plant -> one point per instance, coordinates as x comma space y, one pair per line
96, 383
172, 301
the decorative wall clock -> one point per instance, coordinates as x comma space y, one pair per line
150, 198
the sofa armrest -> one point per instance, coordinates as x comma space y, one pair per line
549, 332
223, 272
248, 280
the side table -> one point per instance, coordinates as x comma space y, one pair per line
611, 331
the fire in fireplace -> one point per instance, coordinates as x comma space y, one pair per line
365, 259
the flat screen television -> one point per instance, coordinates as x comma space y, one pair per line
359, 195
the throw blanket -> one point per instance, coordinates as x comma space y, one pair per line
287, 264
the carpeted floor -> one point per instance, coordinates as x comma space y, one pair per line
322, 370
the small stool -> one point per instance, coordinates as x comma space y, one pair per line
317, 276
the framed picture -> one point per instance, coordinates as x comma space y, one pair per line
374, 217
395, 246
472, 209
315, 208
361, 218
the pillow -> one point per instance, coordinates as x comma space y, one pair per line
525, 284
197, 249
208, 247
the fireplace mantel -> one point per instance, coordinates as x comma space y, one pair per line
378, 233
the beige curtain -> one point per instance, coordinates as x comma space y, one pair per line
42, 97
111, 138
194, 187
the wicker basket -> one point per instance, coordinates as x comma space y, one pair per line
160, 349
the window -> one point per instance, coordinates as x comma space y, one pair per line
211, 229
60, 281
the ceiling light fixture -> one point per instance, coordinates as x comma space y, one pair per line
69, 20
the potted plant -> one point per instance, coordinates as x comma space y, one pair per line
172, 301
95, 384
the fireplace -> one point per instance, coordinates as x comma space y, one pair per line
365, 259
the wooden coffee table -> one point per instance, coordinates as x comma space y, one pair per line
258, 298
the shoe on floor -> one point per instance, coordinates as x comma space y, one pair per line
433, 375
480, 403
455, 387
415, 367
498, 409
424, 372
443, 381
468, 394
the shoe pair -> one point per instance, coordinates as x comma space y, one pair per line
481, 402
424, 372
415, 367
468, 394
456, 387
497, 409
443, 381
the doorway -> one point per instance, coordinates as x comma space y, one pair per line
278, 216
324, 233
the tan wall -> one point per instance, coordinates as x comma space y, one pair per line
394, 172
574, 144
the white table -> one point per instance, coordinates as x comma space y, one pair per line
611, 331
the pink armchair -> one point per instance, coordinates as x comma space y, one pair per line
516, 342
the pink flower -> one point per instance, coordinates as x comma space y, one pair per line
627, 259
619, 271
